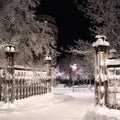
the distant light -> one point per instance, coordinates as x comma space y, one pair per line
74, 68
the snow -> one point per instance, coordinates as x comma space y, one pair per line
61, 104
100, 42
113, 62
102, 113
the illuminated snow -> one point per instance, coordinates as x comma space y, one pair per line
61, 104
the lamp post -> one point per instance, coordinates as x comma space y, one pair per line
48, 60
101, 83
73, 69
10, 53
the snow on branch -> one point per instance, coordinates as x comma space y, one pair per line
104, 16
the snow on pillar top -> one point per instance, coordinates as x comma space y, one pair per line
101, 41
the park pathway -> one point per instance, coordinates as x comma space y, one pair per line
59, 105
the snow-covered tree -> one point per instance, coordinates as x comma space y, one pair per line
105, 18
86, 50
82, 54
18, 26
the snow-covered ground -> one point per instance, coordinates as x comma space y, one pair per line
61, 104
102, 113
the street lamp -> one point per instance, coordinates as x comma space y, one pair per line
48, 60
10, 53
101, 82
73, 69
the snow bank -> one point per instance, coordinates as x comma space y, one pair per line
102, 113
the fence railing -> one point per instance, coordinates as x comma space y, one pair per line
24, 88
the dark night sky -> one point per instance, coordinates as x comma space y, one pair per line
71, 22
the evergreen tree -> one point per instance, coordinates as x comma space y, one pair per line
19, 27
105, 18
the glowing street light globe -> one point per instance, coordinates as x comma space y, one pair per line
74, 68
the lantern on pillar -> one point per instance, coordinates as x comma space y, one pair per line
10, 54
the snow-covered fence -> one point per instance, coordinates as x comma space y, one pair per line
27, 82
25, 88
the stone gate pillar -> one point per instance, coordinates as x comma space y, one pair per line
101, 81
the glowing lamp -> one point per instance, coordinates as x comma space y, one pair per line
74, 68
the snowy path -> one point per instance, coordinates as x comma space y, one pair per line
49, 107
